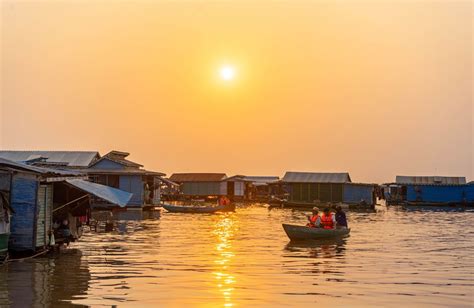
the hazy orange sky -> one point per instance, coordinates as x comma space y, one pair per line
375, 88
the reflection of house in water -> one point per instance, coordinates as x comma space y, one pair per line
45, 282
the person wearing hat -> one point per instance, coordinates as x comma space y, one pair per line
314, 219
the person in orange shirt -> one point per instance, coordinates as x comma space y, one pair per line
328, 221
314, 219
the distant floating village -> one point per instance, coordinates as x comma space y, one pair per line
41, 189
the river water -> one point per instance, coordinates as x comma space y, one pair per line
392, 258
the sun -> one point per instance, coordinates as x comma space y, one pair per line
227, 72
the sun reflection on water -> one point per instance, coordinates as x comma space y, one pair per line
224, 230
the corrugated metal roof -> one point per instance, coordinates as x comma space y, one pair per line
122, 171
261, 180
110, 194
118, 157
197, 177
403, 179
72, 158
316, 177
39, 170
236, 178
167, 181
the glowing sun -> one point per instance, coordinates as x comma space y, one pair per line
227, 72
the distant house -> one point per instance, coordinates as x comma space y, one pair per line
201, 184
237, 187
242, 187
262, 187
318, 187
115, 170
429, 190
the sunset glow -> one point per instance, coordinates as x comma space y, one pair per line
236, 153
227, 72
307, 82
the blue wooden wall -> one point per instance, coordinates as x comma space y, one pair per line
354, 193
23, 223
440, 193
134, 185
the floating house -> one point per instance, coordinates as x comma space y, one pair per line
257, 188
237, 187
262, 187
307, 188
40, 196
201, 185
113, 170
429, 190
30, 196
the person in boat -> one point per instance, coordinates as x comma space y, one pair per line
341, 220
314, 219
223, 200
328, 221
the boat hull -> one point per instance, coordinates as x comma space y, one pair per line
198, 209
295, 232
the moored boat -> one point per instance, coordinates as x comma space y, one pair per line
198, 209
295, 232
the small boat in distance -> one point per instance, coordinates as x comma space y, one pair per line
295, 232
198, 209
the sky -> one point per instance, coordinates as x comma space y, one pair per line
373, 88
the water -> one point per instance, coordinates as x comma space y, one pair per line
392, 258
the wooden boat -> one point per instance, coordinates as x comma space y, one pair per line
306, 233
198, 209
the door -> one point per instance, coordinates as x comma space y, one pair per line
43, 224
41, 218
230, 189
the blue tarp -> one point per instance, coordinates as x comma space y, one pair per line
23, 202
440, 193
110, 194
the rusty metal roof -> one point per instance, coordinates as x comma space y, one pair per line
129, 171
71, 158
316, 177
39, 170
403, 179
197, 177
261, 180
